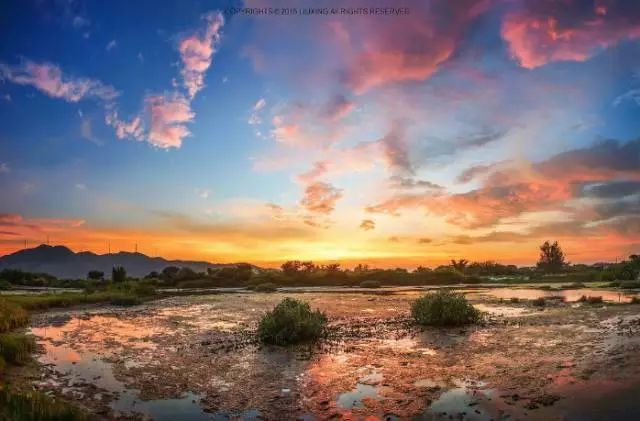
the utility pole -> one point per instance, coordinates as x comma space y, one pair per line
136, 248
109, 247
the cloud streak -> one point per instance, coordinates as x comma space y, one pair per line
49, 79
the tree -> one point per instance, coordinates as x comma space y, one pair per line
170, 272
291, 267
460, 265
332, 268
551, 257
95, 275
118, 274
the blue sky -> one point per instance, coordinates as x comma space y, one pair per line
268, 137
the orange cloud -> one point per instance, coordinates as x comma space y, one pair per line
320, 197
511, 189
368, 224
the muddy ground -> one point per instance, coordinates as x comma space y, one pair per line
197, 358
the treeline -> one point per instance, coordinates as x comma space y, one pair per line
307, 273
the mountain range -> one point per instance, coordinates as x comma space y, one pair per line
63, 263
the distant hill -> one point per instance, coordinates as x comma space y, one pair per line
64, 263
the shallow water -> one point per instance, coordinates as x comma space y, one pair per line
569, 295
195, 358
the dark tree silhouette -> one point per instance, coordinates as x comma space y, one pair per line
118, 274
551, 257
291, 267
95, 275
459, 265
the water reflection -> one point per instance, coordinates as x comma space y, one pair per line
569, 295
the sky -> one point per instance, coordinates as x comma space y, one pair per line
396, 134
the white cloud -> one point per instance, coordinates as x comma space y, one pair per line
111, 45
203, 193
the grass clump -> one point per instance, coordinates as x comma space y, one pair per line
291, 321
590, 300
16, 348
370, 284
266, 287
444, 308
30, 406
12, 316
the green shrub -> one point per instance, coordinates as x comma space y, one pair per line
16, 348
32, 406
630, 284
291, 321
144, 289
635, 300
614, 284
4, 285
444, 308
370, 284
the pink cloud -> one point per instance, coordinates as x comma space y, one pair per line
168, 115
319, 169
196, 52
407, 48
320, 197
48, 78
283, 131
544, 32
133, 129
337, 108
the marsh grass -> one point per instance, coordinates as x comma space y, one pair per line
12, 315
32, 406
16, 348
444, 308
292, 321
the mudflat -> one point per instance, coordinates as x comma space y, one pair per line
197, 357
